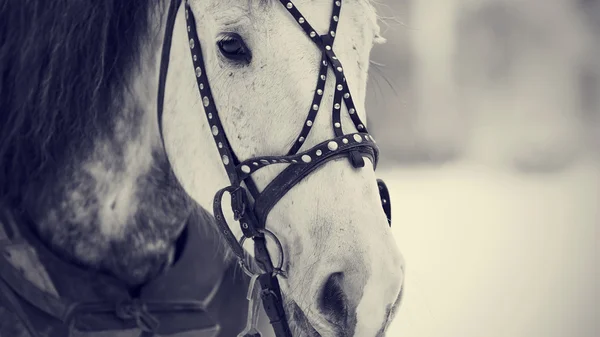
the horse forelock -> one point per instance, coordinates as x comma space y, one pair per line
63, 69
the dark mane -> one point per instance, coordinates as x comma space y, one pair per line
63, 65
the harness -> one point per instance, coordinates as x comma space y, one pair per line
252, 212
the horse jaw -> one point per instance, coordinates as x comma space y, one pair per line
332, 221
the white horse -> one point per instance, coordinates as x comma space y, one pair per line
104, 191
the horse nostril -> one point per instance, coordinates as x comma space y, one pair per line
334, 301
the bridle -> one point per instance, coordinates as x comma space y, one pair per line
252, 215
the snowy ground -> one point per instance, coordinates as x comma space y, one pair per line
495, 254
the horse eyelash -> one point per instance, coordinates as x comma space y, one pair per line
225, 37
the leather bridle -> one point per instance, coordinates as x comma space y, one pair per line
253, 215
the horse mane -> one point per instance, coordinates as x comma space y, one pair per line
63, 68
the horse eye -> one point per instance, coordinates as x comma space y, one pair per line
232, 46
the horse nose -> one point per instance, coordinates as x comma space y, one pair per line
333, 299
360, 292
339, 297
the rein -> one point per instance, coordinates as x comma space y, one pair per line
252, 215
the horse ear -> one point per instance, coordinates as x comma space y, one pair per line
379, 39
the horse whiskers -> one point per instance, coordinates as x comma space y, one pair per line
380, 71
299, 322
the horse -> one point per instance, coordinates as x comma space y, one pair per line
120, 120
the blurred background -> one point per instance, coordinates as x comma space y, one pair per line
487, 113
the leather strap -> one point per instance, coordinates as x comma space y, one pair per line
290, 177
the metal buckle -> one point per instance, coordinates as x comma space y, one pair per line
238, 202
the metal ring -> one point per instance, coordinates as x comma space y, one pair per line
276, 270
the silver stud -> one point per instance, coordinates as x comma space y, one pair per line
225, 160
332, 145
323, 77
346, 95
255, 163
187, 14
357, 138
337, 106
201, 86
294, 161
273, 161
319, 92
289, 5
338, 3
309, 123
306, 158
215, 130
352, 111
210, 115
325, 63
206, 101
345, 141
360, 126
301, 139
315, 107
328, 47
189, 28
301, 20
319, 153
333, 57
264, 162
340, 87
337, 124
198, 72
332, 33
192, 44
220, 145
313, 34
340, 69
335, 18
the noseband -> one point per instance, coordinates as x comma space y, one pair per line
252, 216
